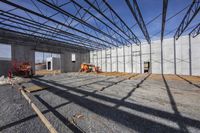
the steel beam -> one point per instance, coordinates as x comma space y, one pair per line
42, 38
115, 20
64, 12
100, 20
195, 32
53, 20
135, 10
189, 16
63, 40
44, 30
43, 26
164, 12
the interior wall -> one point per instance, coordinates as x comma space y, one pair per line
23, 54
26, 53
4, 67
66, 61
176, 58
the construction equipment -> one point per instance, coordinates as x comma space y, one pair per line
86, 67
20, 69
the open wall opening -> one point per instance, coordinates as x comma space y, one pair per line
5, 58
47, 63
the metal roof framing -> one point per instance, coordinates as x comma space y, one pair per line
189, 16
83, 27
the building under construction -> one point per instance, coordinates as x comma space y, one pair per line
99, 66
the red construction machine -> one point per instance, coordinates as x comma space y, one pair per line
85, 67
20, 69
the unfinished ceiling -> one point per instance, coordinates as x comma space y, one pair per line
96, 24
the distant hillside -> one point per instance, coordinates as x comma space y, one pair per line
4, 58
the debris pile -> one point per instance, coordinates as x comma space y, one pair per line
5, 80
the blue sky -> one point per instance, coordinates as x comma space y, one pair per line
149, 9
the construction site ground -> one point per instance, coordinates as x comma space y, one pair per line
105, 102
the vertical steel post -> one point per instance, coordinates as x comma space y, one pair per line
140, 58
92, 57
190, 56
124, 58
105, 60
174, 55
117, 59
131, 58
101, 60
111, 59
97, 58
150, 58
161, 56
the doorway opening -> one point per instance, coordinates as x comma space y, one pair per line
146, 66
47, 63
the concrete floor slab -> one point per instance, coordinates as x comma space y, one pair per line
145, 103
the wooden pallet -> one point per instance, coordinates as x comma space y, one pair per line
35, 88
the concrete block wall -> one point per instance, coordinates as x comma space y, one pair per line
4, 67
176, 60
66, 61
27, 53
23, 53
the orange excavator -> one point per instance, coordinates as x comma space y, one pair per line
86, 67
